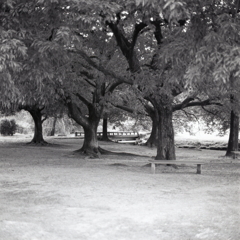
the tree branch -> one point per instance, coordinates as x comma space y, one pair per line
189, 114
82, 99
188, 103
76, 114
126, 47
89, 82
183, 104
99, 67
124, 108
45, 118
158, 31
138, 28
208, 111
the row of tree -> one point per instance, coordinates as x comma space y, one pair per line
149, 57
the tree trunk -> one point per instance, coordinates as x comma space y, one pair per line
234, 134
38, 133
152, 141
90, 144
52, 133
105, 135
165, 146
89, 124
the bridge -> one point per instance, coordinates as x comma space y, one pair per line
118, 136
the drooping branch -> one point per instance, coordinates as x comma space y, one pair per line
183, 103
114, 85
124, 108
189, 114
189, 103
208, 111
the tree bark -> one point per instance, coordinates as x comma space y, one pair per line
234, 134
163, 107
52, 133
165, 146
105, 135
234, 120
90, 144
152, 141
89, 124
36, 114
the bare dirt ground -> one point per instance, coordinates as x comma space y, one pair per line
52, 193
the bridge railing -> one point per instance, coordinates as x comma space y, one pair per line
118, 135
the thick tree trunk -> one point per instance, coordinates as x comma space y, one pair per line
89, 124
234, 134
165, 146
38, 133
105, 127
52, 133
90, 144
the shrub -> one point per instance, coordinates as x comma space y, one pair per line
8, 127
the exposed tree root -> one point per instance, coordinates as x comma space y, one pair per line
92, 153
150, 143
231, 155
96, 153
38, 143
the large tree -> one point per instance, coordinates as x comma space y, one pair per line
159, 64
159, 40
90, 87
218, 59
31, 59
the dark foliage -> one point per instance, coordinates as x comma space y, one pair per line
8, 127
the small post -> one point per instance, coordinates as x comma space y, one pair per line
199, 168
153, 168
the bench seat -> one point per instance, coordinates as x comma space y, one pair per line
187, 162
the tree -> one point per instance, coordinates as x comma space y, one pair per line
87, 100
233, 144
36, 69
158, 39
54, 40
175, 28
218, 58
170, 57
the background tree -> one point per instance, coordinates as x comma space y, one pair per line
35, 88
12, 52
89, 83
218, 59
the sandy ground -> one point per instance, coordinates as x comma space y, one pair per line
51, 193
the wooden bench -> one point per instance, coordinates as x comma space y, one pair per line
164, 162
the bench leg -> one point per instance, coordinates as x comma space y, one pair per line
199, 168
153, 168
